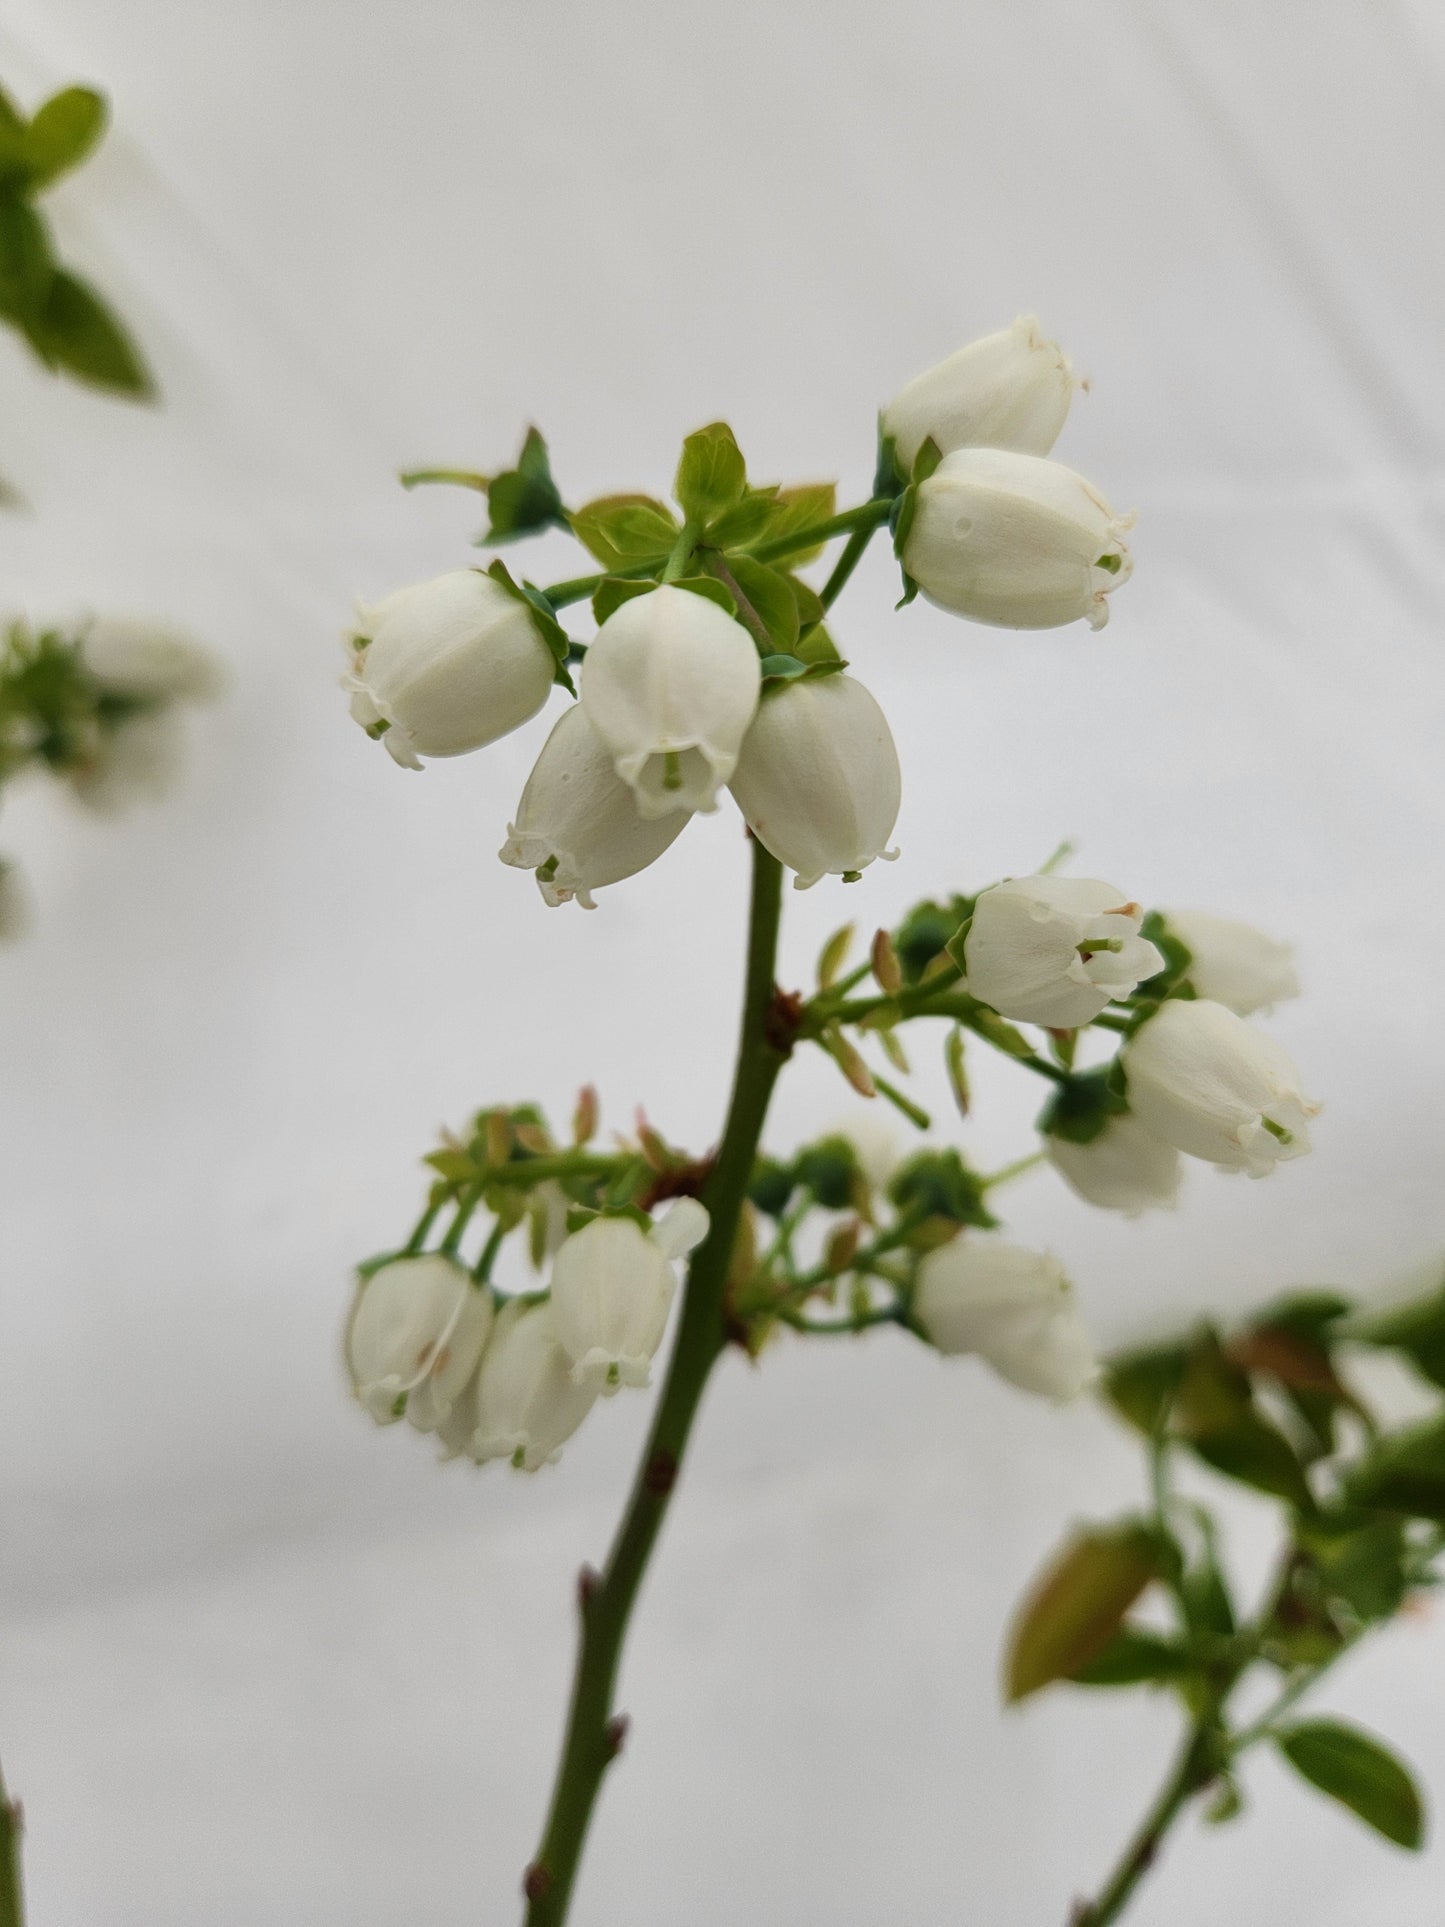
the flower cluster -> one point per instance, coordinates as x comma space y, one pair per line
711, 666
97, 705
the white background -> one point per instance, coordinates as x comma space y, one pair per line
261, 1663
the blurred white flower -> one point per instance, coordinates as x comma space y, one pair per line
874, 1142
1125, 1168
134, 760
1016, 541
1055, 950
523, 1404
415, 1334
1212, 1085
1005, 390
149, 659
577, 824
612, 1286
1234, 964
447, 666
818, 778
1011, 1306
670, 684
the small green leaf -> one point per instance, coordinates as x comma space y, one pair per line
1360, 1773
888, 476
1141, 1386
1257, 1454
76, 331
63, 132
1404, 1473
626, 529
1417, 1330
544, 617
768, 592
613, 591
1134, 1658
524, 500
782, 668
711, 475
26, 267
1075, 1610
710, 590
830, 957
748, 521
817, 645
793, 510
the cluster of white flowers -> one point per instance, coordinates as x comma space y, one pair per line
1197, 1077
427, 1342
674, 703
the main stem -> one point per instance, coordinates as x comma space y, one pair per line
12, 1898
594, 1735
1191, 1772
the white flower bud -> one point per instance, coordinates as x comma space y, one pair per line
1234, 964
1055, 950
523, 1404
14, 902
1013, 1307
1212, 1085
415, 1334
148, 659
1007, 390
1015, 540
578, 824
447, 666
612, 1286
670, 685
818, 778
1125, 1168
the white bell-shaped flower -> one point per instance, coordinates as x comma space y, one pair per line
1011, 1306
416, 1332
1215, 1087
670, 685
578, 825
447, 666
1055, 950
523, 1404
1007, 390
1234, 964
149, 659
1015, 540
818, 778
1125, 1168
612, 1285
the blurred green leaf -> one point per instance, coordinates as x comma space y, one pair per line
1134, 1658
76, 331
1360, 1773
1077, 1607
63, 132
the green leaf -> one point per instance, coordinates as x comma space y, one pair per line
625, 529
793, 510
711, 590
1404, 1473
1360, 1773
1076, 1608
1417, 1330
768, 591
1257, 1454
1134, 1658
524, 500
76, 331
748, 521
610, 594
810, 604
544, 617
818, 646
63, 132
711, 475
26, 267
1365, 1570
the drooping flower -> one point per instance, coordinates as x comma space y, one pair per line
1015, 540
1055, 950
670, 685
1234, 964
612, 1285
523, 1404
818, 778
149, 659
577, 824
447, 666
1006, 390
1125, 1168
416, 1332
1213, 1086
1011, 1306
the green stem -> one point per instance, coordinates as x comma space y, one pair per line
867, 515
847, 562
12, 1896
1193, 1769
1020, 1166
594, 1735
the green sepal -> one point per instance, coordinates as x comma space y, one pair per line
610, 594
524, 500
1080, 1108
62, 133
1075, 1611
831, 1171
779, 671
626, 530
710, 589
938, 1184
1355, 1769
711, 475
771, 1186
956, 943
925, 932
925, 461
544, 617
888, 476
900, 521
